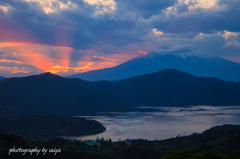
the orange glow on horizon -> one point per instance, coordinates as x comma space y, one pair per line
20, 71
14, 69
106, 63
104, 58
9, 61
114, 60
57, 59
12, 43
41, 61
87, 64
65, 55
37, 60
4, 67
58, 68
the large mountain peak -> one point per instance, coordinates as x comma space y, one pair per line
196, 62
197, 53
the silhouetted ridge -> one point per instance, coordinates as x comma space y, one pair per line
167, 73
47, 74
1, 77
195, 64
170, 87
52, 94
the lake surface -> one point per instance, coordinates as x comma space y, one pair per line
163, 122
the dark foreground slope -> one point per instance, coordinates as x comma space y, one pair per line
47, 126
51, 94
168, 88
220, 142
219, 139
57, 148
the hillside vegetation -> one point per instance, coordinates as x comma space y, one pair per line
220, 142
47, 126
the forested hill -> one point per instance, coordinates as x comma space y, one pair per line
47, 126
220, 142
169, 87
51, 94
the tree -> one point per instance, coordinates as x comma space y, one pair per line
97, 139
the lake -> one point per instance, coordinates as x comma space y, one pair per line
163, 122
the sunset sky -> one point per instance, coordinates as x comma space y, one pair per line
73, 36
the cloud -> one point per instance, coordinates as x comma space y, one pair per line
102, 6
11, 61
51, 6
143, 52
146, 8
156, 32
106, 63
58, 34
5, 8
104, 58
14, 70
58, 68
198, 18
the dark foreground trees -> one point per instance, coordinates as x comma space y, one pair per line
220, 142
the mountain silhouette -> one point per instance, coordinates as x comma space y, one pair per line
195, 64
51, 94
169, 87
